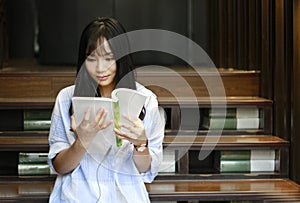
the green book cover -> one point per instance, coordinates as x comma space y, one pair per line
235, 166
219, 123
221, 113
33, 157
117, 121
37, 124
235, 155
240, 112
215, 123
37, 114
34, 169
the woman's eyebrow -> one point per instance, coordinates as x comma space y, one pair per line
108, 53
103, 53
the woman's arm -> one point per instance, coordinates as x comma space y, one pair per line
142, 160
137, 136
68, 159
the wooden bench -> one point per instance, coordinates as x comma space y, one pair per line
275, 190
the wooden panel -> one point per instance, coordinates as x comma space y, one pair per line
180, 81
60, 82
25, 86
3, 34
295, 75
27, 141
235, 83
214, 190
266, 46
235, 34
26, 103
162, 190
281, 96
32, 86
233, 142
47, 102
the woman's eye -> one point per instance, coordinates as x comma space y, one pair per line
109, 59
91, 59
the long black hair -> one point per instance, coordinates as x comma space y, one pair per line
113, 31
109, 29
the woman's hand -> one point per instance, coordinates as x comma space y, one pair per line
88, 128
136, 131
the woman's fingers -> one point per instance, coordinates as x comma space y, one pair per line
122, 135
87, 114
134, 122
102, 118
99, 117
130, 128
105, 125
73, 123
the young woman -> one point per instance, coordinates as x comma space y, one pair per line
114, 174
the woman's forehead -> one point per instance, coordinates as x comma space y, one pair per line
103, 47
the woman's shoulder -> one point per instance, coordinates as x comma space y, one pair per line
151, 100
142, 89
66, 93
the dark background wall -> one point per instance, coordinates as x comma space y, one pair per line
50, 29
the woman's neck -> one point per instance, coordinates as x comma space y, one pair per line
106, 91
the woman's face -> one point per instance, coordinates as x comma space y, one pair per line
101, 65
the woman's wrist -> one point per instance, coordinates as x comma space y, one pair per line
141, 147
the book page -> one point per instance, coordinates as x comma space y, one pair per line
105, 136
130, 103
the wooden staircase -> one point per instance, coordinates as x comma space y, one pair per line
36, 89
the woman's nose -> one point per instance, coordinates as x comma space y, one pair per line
100, 66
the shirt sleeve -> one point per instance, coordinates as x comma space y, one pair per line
154, 123
60, 125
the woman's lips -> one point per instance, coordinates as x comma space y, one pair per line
102, 78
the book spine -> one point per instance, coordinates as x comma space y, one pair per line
252, 112
215, 123
239, 112
247, 161
29, 157
268, 154
235, 155
248, 123
116, 108
168, 164
34, 169
37, 124
235, 166
220, 113
41, 114
262, 165
220, 123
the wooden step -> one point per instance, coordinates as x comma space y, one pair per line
203, 102
268, 190
224, 142
38, 140
46, 81
182, 144
224, 190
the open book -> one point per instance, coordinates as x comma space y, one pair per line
123, 101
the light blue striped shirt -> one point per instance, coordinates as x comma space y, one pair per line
97, 178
